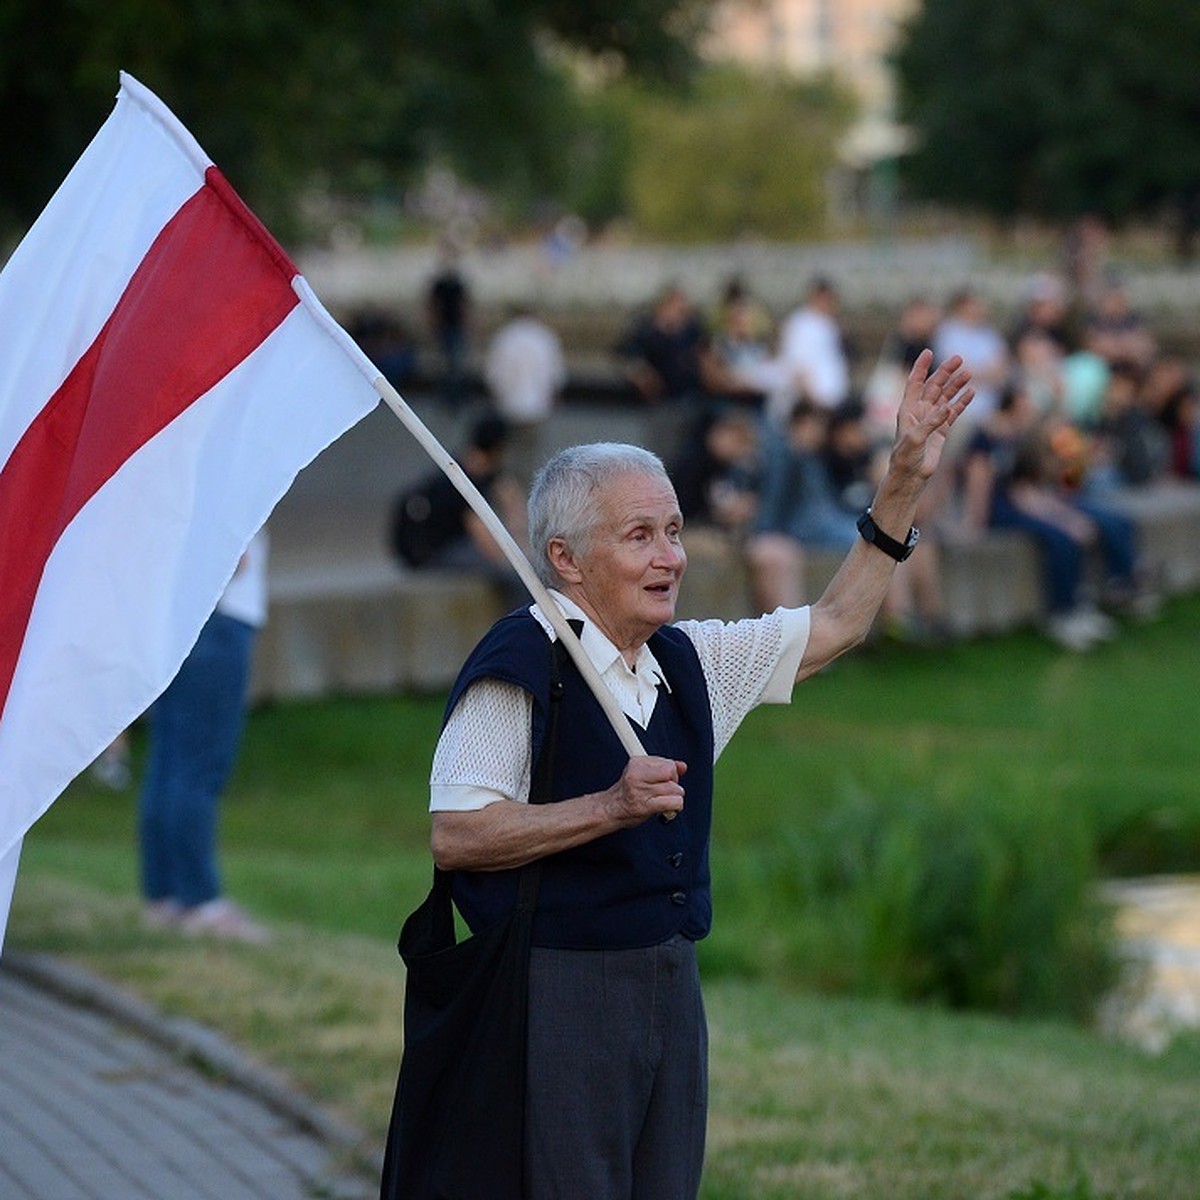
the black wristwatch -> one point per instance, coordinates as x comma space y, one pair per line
894, 549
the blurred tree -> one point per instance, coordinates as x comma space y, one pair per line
352, 96
1054, 110
745, 154
598, 151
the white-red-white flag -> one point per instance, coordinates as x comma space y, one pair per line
165, 372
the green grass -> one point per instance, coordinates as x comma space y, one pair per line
812, 1097
325, 836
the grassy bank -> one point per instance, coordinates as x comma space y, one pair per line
325, 834
813, 1097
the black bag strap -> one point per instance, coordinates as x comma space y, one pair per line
543, 774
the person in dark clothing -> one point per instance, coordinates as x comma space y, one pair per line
448, 308
434, 526
616, 1069
716, 474
850, 457
665, 351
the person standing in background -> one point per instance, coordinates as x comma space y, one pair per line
524, 369
448, 306
195, 731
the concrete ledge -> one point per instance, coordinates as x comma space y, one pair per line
405, 633
345, 619
991, 585
1168, 520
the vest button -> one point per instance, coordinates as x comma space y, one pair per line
679, 898
676, 859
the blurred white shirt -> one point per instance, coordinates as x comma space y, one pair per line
245, 596
810, 342
524, 369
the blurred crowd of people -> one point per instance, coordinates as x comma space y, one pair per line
1074, 403
783, 424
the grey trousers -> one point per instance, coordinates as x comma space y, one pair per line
618, 1074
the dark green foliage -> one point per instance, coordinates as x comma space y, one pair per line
1053, 109
351, 96
980, 903
773, 138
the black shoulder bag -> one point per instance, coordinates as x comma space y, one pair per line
458, 1123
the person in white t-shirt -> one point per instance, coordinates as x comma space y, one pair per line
524, 368
967, 330
812, 351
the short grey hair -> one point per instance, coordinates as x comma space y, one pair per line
562, 496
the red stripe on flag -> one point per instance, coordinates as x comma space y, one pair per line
211, 288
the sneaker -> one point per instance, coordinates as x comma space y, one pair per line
162, 914
223, 919
1102, 628
1070, 632
111, 769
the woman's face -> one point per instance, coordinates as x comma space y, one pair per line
626, 578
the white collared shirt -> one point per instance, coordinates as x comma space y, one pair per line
484, 753
634, 688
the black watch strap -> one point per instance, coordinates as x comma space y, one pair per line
894, 549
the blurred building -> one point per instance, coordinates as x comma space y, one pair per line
850, 38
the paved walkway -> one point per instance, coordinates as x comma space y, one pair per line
100, 1099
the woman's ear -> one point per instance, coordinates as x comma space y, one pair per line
563, 560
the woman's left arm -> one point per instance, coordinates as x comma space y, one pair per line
842, 617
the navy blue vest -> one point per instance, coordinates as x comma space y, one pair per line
635, 887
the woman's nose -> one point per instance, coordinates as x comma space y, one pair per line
669, 551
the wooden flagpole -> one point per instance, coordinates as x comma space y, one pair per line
457, 476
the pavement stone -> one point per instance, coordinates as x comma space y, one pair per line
102, 1099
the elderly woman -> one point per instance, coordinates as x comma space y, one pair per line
617, 1055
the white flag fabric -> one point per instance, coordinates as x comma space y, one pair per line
165, 374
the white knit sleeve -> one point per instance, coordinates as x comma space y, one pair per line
748, 663
484, 751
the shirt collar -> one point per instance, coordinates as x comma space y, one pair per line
603, 654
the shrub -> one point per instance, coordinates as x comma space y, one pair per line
987, 906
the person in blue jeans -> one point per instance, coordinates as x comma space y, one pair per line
1010, 483
195, 728
798, 508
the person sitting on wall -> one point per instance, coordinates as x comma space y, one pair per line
432, 524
